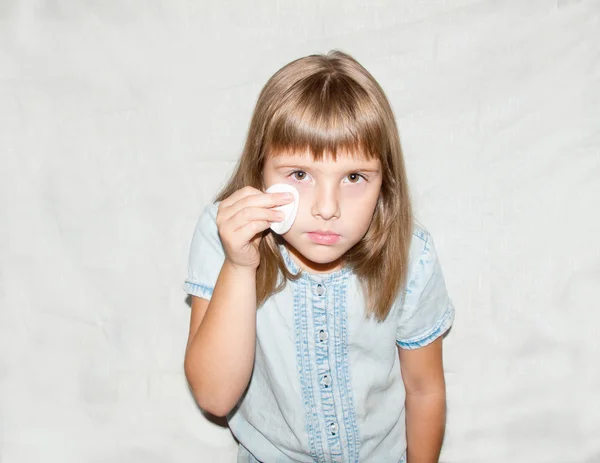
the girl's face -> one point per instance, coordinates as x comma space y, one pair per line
337, 202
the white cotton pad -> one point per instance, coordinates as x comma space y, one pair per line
290, 210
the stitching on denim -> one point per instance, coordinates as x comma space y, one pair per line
321, 317
345, 384
412, 277
420, 232
303, 363
197, 289
291, 265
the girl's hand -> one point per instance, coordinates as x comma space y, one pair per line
241, 219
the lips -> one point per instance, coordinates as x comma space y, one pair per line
324, 237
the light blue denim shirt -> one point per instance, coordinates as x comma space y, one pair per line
326, 384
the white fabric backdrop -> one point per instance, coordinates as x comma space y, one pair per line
120, 120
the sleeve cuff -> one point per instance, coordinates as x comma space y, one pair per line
431, 335
198, 289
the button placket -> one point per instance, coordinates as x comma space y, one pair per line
322, 294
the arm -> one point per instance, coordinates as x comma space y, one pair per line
220, 351
423, 375
221, 343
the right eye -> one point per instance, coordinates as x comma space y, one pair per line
298, 175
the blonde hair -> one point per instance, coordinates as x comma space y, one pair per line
321, 104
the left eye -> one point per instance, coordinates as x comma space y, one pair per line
354, 178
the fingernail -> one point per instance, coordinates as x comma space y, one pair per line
288, 196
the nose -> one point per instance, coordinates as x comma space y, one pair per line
326, 203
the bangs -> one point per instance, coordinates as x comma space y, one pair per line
324, 115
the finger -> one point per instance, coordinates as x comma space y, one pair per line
265, 200
239, 194
249, 231
253, 214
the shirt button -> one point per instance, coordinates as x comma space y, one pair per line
322, 335
333, 428
320, 289
326, 380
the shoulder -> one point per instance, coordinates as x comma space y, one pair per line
419, 230
206, 254
206, 233
210, 211
426, 311
207, 222
423, 259
421, 240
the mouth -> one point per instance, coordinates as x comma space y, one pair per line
324, 237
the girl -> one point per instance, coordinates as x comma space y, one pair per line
323, 344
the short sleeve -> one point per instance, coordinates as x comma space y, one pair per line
427, 311
206, 255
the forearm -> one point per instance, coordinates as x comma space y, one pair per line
220, 357
425, 423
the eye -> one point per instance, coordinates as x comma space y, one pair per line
299, 175
355, 177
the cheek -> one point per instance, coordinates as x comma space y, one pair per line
356, 192
360, 205
361, 196
305, 195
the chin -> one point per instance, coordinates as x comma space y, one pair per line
320, 254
